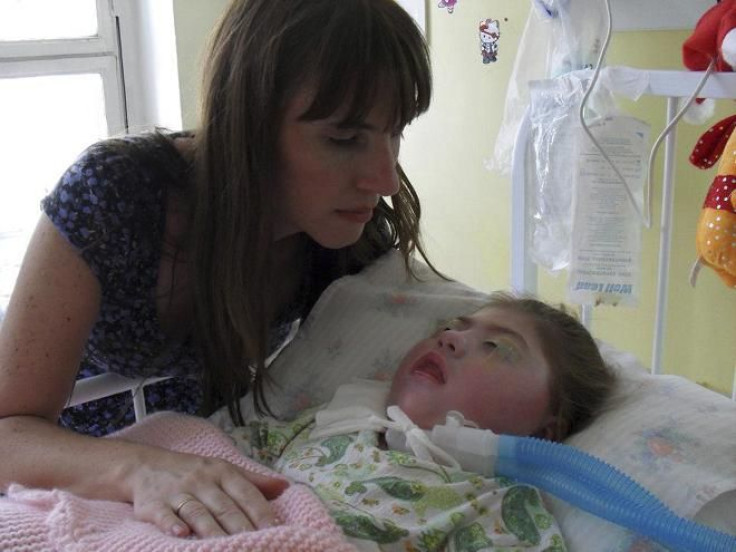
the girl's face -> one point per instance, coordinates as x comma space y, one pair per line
332, 175
489, 366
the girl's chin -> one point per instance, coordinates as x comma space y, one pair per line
418, 414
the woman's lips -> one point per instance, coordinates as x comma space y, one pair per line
361, 216
430, 366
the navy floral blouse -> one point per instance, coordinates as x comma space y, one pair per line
110, 205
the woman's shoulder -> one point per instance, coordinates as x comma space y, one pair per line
113, 197
123, 169
153, 153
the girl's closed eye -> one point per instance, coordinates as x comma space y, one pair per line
507, 352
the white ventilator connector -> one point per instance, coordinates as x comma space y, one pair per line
360, 405
473, 449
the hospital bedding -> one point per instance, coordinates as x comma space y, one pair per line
669, 434
672, 436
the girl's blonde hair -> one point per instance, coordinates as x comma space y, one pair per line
581, 380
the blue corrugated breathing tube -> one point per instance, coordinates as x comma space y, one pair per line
581, 480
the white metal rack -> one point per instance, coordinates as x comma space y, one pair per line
672, 85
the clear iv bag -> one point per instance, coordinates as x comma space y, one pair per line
559, 36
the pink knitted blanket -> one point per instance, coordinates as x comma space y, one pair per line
38, 520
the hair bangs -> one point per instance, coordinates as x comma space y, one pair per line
371, 57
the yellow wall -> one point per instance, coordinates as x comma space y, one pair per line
193, 20
467, 224
467, 207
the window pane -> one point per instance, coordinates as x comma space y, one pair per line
47, 19
47, 121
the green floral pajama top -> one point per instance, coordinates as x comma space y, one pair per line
398, 501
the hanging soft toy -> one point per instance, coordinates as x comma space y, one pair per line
713, 38
714, 42
716, 231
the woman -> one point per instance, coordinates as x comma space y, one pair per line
187, 254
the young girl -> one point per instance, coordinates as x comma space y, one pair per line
516, 366
187, 254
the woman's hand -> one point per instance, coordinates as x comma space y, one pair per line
184, 494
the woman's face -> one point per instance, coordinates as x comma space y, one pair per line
332, 175
489, 366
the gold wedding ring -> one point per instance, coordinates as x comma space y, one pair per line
182, 502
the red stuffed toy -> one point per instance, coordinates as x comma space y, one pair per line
714, 39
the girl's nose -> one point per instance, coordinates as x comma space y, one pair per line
379, 173
452, 342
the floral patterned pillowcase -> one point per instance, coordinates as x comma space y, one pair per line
672, 436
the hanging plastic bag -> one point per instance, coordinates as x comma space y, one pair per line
555, 137
605, 264
553, 128
571, 32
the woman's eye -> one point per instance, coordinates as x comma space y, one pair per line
344, 140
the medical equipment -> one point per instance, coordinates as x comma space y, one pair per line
672, 85
573, 475
559, 469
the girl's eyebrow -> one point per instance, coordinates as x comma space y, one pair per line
496, 329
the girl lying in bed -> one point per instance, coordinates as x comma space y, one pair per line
516, 366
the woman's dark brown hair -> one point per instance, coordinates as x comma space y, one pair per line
354, 53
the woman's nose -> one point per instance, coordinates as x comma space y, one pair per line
379, 171
452, 342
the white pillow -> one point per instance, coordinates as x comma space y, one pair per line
362, 326
675, 438
672, 436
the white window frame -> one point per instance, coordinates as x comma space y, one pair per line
134, 52
98, 54
146, 31
105, 41
105, 66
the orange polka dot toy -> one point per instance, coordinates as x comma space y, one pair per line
716, 229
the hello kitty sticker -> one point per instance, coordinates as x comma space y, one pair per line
449, 4
489, 32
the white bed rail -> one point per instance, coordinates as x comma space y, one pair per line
671, 85
104, 385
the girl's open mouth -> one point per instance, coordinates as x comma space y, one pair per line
432, 367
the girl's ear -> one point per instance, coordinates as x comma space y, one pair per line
552, 429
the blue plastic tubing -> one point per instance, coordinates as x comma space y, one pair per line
597, 487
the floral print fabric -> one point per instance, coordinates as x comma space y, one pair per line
398, 501
110, 205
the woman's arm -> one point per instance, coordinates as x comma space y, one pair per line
53, 308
